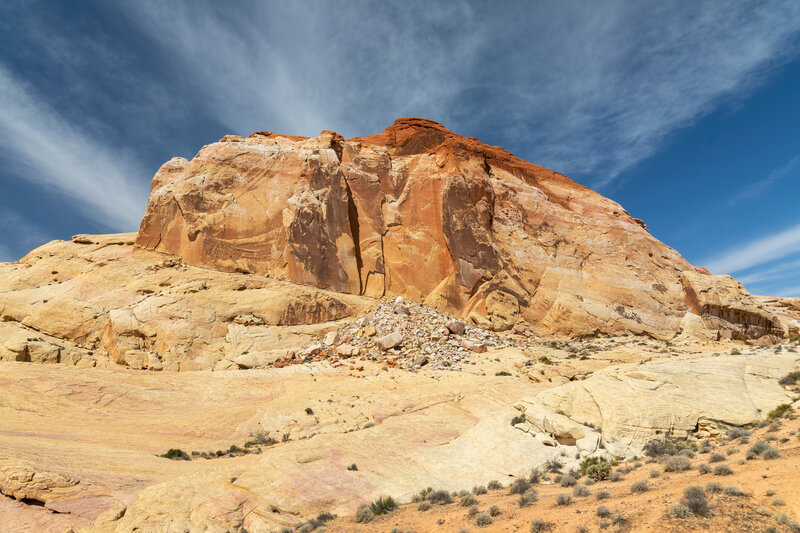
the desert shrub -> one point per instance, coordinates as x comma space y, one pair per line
519, 419
759, 447
771, 453
473, 510
763, 511
737, 433
602, 495
422, 495
666, 446
618, 519
788, 521
527, 498
790, 379
364, 514
553, 465
676, 463
480, 489
722, 470
494, 510
176, 454
716, 458
260, 438
483, 520
655, 473
581, 491
770, 492
383, 505
615, 476
778, 502
713, 487
353, 467
440, 497
640, 486
424, 506
603, 511
733, 490
735, 352
468, 500
771, 530
694, 498
564, 499
568, 481
535, 476
779, 411
540, 526
596, 468
519, 486
494, 485
679, 510
704, 469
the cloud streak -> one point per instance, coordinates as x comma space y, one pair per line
586, 91
790, 168
38, 145
757, 252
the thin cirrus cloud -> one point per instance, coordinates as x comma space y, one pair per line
758, 252
40, 146
588, 92
789, 169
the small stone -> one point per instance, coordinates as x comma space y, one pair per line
421, 360
389, 341
477, 347
331, 338
456, 327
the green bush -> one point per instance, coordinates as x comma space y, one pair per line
176, 454
383, 505
779, 411
596, 468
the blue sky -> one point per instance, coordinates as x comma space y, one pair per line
687, 113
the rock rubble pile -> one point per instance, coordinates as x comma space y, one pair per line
400, 333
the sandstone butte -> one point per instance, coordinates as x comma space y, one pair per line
256, 250
446, 220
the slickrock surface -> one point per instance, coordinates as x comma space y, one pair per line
87, 302
421, 212
404, 431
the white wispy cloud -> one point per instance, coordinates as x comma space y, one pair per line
752, 192
757, 252
590, 92
38, 145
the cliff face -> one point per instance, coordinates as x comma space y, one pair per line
421, 212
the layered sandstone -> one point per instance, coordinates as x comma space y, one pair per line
421, 212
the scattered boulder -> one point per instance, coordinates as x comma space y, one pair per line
456, 327
389, 341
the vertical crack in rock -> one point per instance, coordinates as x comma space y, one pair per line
352, 214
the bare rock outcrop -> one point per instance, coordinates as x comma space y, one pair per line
421, 212
87, 302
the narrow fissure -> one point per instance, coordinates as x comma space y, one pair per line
352, 215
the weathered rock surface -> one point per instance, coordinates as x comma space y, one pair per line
87, 302
680, 396
421, 212
725, 306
